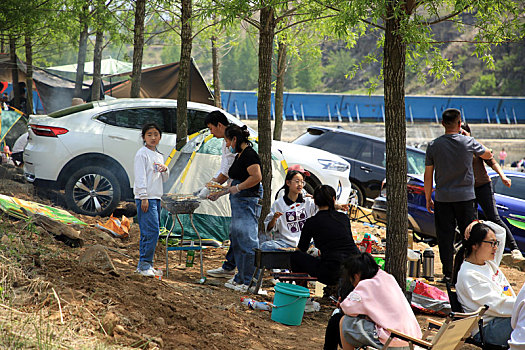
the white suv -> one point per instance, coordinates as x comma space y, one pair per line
88, 150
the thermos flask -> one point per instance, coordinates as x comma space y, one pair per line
428, 264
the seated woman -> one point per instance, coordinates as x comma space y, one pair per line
517, 338
376, 304
288, 214
332, 235
481, 282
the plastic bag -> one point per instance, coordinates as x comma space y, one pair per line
118, 228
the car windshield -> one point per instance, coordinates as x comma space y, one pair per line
415, 162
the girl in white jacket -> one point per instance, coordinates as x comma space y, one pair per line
150, 173
288, 214
481, 282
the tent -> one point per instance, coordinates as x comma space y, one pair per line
162, 82
190, 169
109, 66
13, 123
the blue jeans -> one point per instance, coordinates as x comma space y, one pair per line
244, 234
149, 224
229, 263
496, 332
275, 244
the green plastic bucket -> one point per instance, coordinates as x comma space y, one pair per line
289, 303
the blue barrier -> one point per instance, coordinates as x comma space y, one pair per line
357, 108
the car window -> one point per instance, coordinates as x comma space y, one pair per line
341, 144
517, 190
196, 120
415, 162
378, 155
366, 153
135, 118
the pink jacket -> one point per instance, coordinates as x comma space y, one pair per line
381, 299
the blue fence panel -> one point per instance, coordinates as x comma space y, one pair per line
356, 108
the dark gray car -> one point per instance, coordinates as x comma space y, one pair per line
365, 153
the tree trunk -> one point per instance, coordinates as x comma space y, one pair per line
14, 71
97, 65
81, 58
264, 105
184, 74
216, 73
138, 47
29, 74
279, 91
395, 131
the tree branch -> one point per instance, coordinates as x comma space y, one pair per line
442, 19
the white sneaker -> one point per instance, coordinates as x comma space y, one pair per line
148, 273
516, 255
259, 292
232, 284
312, 306
220, 272
243, 288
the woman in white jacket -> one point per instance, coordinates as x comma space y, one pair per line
481, 282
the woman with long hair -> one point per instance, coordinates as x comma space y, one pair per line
332, 235
481, 282
245, 193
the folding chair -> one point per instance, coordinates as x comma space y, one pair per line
455, 305
450, 334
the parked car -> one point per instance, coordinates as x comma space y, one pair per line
509, 201
366, 155
88, 150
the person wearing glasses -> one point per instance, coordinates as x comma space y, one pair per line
288, 214
481, 282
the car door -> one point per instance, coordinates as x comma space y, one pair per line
122, 133
370, 166
511, 206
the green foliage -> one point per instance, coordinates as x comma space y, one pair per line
485, 85
239, 66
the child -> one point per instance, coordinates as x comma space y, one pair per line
150, 173
376, 304
288, 214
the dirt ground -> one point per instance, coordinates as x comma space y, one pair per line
49, 299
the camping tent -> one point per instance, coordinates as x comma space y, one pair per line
162, 82
190, 169
109, 66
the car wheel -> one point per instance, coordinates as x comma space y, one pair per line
92, 191
359, 194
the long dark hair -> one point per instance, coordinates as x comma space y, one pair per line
289, 176
240, 133
324, 195
478, 233
362, 264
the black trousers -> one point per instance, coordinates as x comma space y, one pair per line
485, 199
332, 338
448, 215
326, 272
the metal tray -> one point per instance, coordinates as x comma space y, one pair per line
180, 203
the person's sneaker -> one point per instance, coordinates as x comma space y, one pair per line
221, 273
259, 292
232, 284
445, 280
148, 272
243, 288
516, 255
312, 306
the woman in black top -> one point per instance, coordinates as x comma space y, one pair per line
245, 192
332, 235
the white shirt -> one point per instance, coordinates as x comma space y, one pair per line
148, 181
20, 143
480, 285
517, 338
227, 159
289, 226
